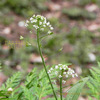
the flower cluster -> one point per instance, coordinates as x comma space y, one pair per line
58, 69
39, 22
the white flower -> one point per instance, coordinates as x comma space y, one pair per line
42, 29
49, 32
21, 37
44, 21
34, 20
33, 15
66, 76
56, 72
56, 67
27, 21
51, 69
73, 75
10, 89
51, 28
40, 23
63, 81
42, 17
38, 16
67, 72
64, 67
60, 76
35, 26
31, 18
60, 68
54, 81
48, 23
59, 64
64, 73
76, 75
44, 25
70, 71
26, 25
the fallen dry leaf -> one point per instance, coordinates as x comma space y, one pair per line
36, 59
81, 98
93, 27
2, 78
7, 31
92, 7
67, 48
53, 6
53, 15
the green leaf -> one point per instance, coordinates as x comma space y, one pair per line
13, 81
74, 92
27, 93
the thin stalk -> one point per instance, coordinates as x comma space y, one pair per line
61, 84
39, 47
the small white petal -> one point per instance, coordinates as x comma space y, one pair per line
51, 28
33, 15
49, 32
76, 75
73, 75
64, 73
51, 69
63, 81
40, 23
35, 26
60, 76
59, 64
10, 89
26, 25
64, 68
56, 72
66, 76
60, 68
48, 23
32, 21
56, 67
42, 29
27, 21
44, 25
31, 18
54, 81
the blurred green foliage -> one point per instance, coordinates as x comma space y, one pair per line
76, 12
81, 40
23, 7
85, 2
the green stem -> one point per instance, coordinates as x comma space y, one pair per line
40, 98
39, 47
61, 84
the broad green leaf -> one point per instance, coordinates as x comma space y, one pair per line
74, 92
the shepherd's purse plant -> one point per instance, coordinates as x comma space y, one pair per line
38, 85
